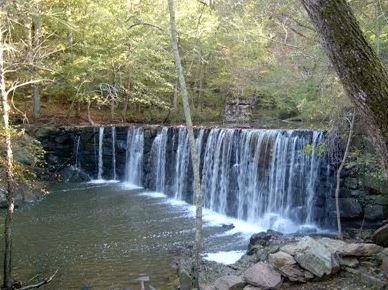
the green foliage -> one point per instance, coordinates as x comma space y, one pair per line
366, 164
264, 52
320, 150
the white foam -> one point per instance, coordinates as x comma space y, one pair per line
226, 258
153, 194
102, 181
247, 228
128, 185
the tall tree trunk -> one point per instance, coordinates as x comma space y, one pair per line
175, 97
36, 105
34, 39
359, 69
193, 148
7, 283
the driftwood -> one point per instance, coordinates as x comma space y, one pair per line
40, 284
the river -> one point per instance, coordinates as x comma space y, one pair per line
103, 236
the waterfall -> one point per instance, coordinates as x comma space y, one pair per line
100, 153
158, 152
114, 153
181, 163
134, 156
260, 176
77, 161
273, 178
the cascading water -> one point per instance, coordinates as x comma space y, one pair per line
114, 153
260, 176
77, 162
134, 156
181, 163
158, 156
272, 178
100, 153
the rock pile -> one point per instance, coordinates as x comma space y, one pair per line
297, 262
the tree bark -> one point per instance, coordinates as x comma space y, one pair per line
7, 283
362, 74
193, 148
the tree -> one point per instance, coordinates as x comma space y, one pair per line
193, 148
338, 175
9, 155
363, 76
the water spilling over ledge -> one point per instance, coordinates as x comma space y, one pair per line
279, 179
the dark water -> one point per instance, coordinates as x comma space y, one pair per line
104, 237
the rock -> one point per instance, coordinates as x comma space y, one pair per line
335, 246
351, 262
229, 283
263, 276
286, 265
360, 250
227, 226
374, 212
264, 238
185, 280
353, 249
384, 266
358, 193
313, 256
380, 236
249, 287
350, 208
377, 199
295, 274
351, 183
280, 259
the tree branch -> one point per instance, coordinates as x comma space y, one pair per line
40, 284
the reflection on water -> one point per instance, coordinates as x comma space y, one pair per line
105, 236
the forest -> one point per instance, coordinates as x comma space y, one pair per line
116, 57
141, 134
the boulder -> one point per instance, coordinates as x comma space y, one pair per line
263, 238
351, 183
380, 236
351, 262
374, 212
335, 246
350, 208
185, 280
352, 249
360, 250
313, 256
385, 267
229, 283
250, 287
287, 266
263, 276
280, 259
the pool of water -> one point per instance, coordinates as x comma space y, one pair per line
103, 236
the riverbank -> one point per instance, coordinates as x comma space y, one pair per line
277, 261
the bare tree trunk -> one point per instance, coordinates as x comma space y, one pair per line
7, 283
34, 36
36, 106
359, 69
175, 98
193, 148
337, 189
